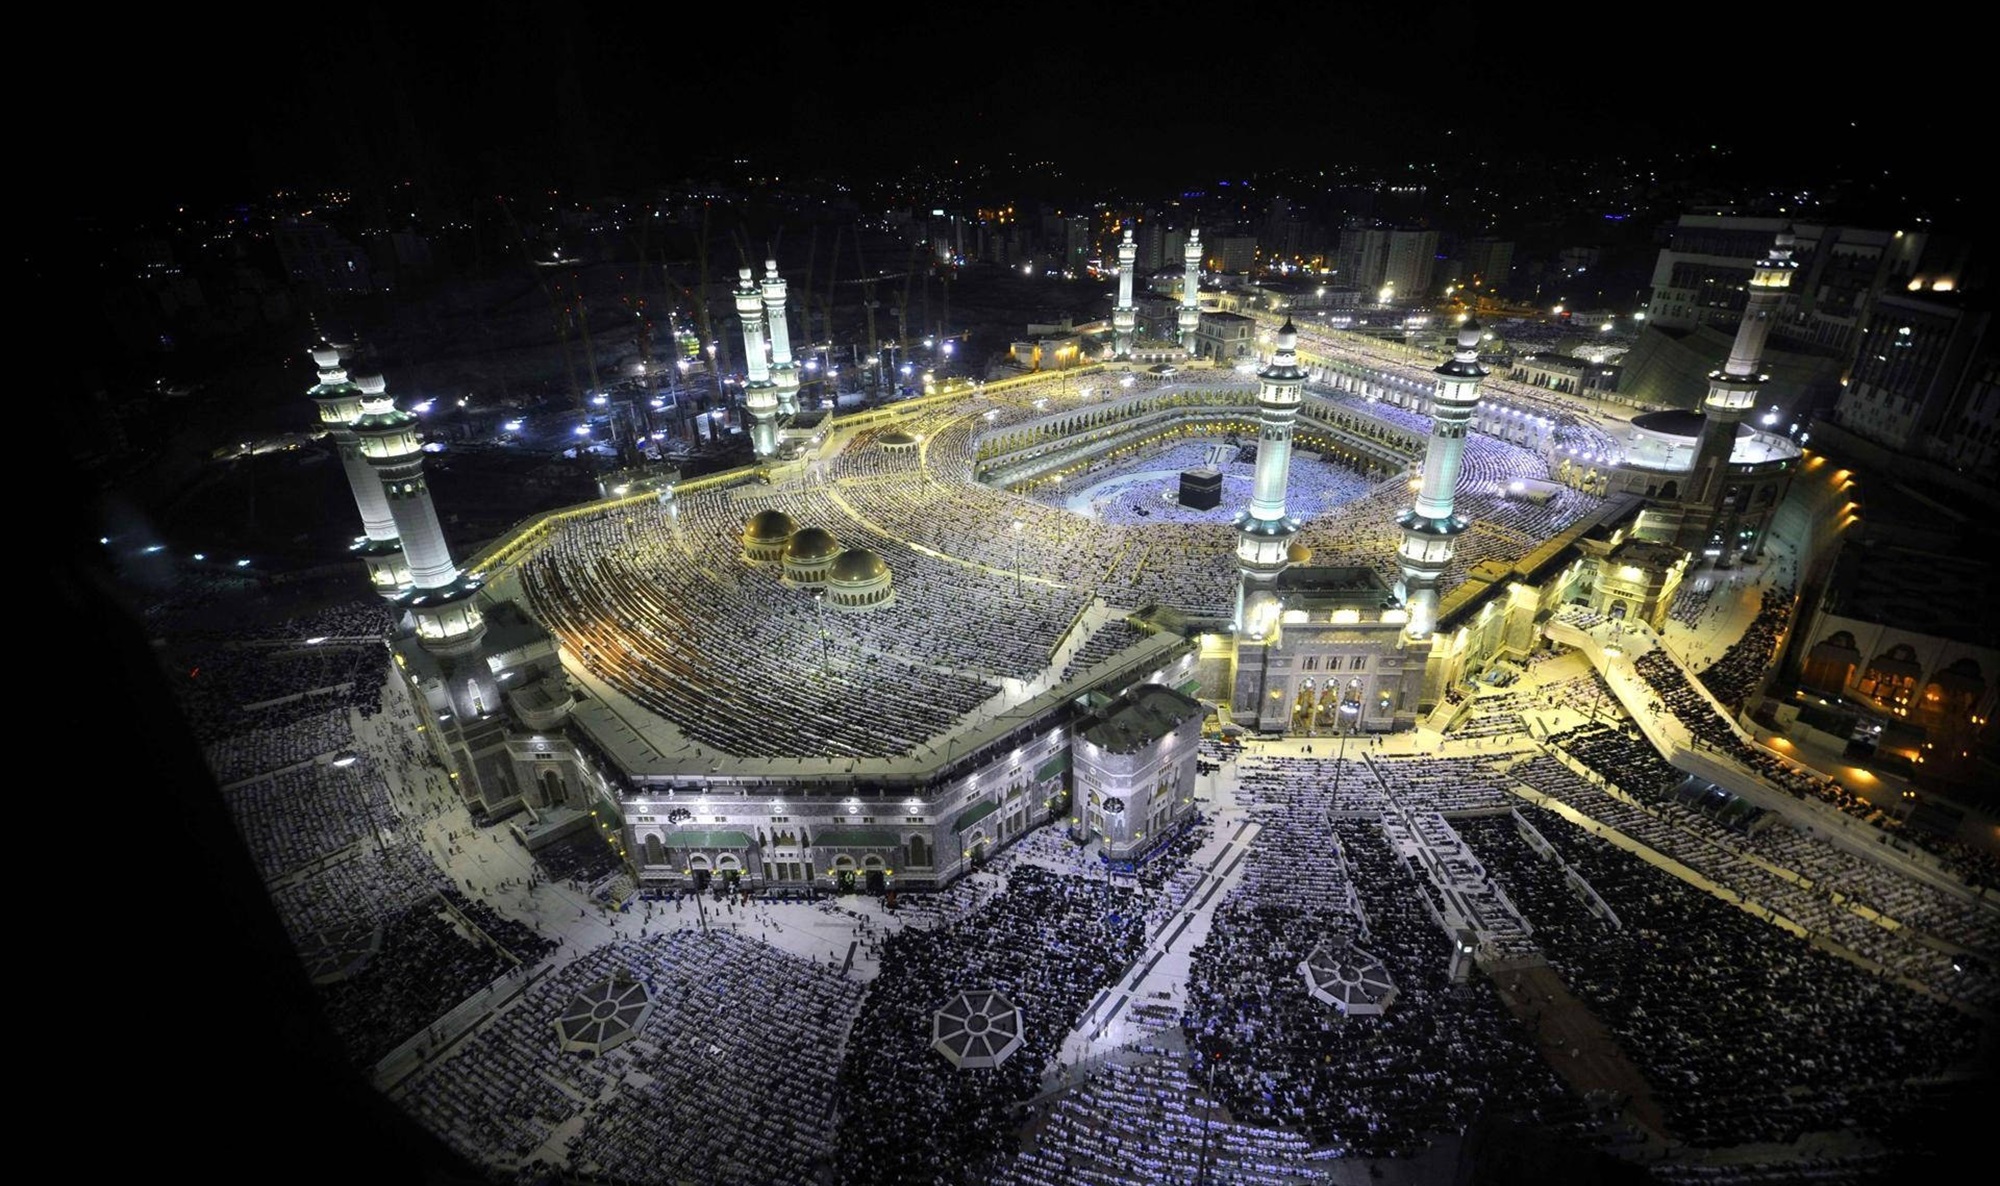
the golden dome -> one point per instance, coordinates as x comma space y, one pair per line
1299, 554
857, 565
769, 527
811, 543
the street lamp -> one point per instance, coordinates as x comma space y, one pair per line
1350, 710
1017, 559
825, 639
1611, 651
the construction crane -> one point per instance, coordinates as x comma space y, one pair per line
556, 307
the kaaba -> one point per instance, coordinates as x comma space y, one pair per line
1201, 488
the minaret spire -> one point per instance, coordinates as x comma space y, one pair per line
1430, 528
1125, 315
1732, 393
1188, 317
1264, 532
440, 597
760, 395
340, 404
783, 373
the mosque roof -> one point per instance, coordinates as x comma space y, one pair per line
769, 526
857, 565
811, 543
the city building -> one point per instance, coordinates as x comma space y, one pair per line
1923, 382
1224, 337
1411, 259
320, 259
1702, 275
1363, 257
1133, 768
1236, 254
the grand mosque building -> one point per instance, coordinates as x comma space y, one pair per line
874, 658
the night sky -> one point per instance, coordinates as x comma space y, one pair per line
596, 98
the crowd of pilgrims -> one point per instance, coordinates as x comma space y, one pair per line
1102, 644
1315, 484
1677, 696
1740, 669
1493, 716
1294, 1079
1363, 785
1694, 601
432, 956
1050, 942
659, 601
727, 1012
1621, 755
1143, 1118
1744, 1032
1809, 881
1372, 1086
308, 784
1756, 1035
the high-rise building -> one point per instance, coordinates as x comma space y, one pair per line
1487, 263
1151, 241
1702, 276
1412, 256
1923, 382
1363, 257
318, 257
1076, 243
1234, 254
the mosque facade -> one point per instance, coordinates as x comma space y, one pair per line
1315, 650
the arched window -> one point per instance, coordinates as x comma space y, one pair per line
656, 854
919, 851
1892, 676
1831, 663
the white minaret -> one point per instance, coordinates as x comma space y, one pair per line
783, 373
1732, 393
1264, 533
339, 407
760, 395
1189, 314
439, 597
1430, 528
1125, 315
